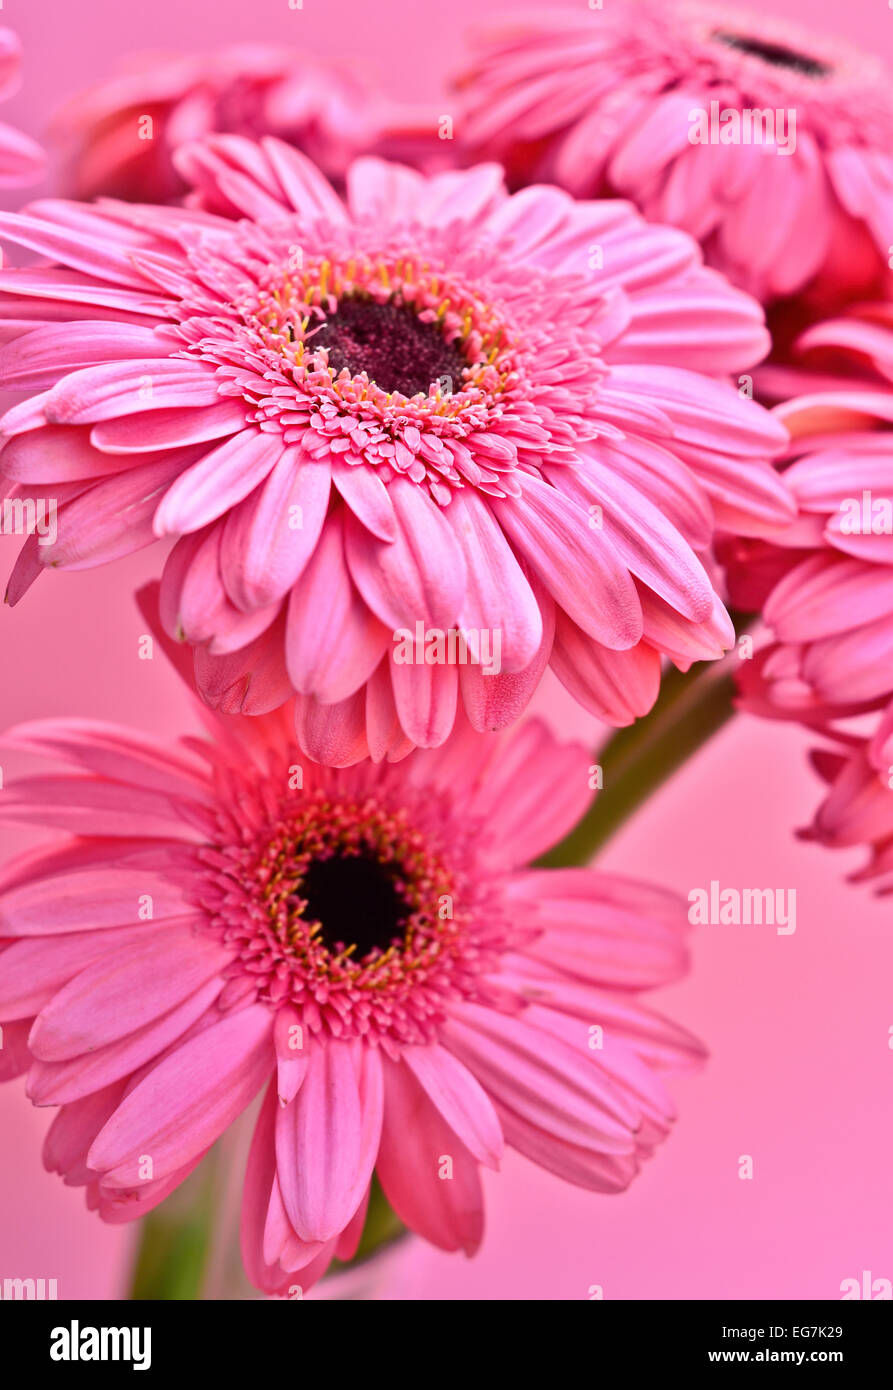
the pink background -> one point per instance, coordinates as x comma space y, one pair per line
801, 1073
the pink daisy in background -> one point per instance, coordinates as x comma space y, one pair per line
652, 100
431, 413
365, 946
858, 808
122, 135
22, 161
825, 586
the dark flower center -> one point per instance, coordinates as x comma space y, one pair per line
357, 901
391, 344
776, 54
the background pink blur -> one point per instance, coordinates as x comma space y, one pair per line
801, 1073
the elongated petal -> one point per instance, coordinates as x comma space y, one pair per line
181, 1106
461, 1100
428, 1175
222, 478
271, 535
326, 1141
114, 996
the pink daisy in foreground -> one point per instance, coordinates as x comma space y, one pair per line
365, 946
123, 134
22, 161
825, 586
412, 447
671, 104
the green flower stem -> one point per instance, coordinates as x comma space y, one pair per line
175, 1238
176, 1251
383, 1226
176, 1244
637, 760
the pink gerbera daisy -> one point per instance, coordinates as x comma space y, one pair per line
433, 413
124, 133
364, 945
657, 101
825, 586
21, 160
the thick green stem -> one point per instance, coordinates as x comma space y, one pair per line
382, 1227
175, 1239
637, 760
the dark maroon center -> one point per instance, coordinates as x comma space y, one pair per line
356, 900
775, 54
391, 344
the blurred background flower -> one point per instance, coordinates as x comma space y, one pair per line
635, 99
21, 158
121, 136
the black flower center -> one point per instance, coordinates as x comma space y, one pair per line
356, 900
775, 54
391, 344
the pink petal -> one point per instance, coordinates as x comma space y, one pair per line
127, 388
461, 1100
327, 1140
618, 687
56, 1083
415, 1140
577, 566
498, 597
332, 642
126, 990
217, 482
420, 575
185, 1102
271, 535
541, 1078
367, 497
425, 698
171, 428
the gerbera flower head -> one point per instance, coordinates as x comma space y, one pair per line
123, 134
365, 946
22, 161
825, 586
648, 100
412, 447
